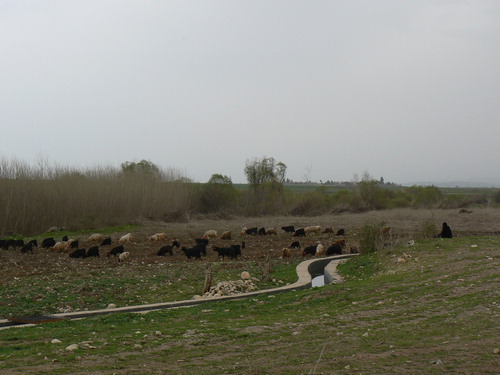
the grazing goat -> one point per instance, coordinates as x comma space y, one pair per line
34, 243
192, 252
286, 253
210, 234
27, 248
125, 239
320, 251
176, 244
73, 244
334, 250
340, 232
295, 245
157, 237
78, 253
271, 231
12, 243
226, 235
96, 237
261, 232
232, 251
309, 250
288, 229
106, 241
300, 232
124, 256
165, 250
116, 250
47, 243
327, 230
251, 231
60, 246
93, 252
313, 229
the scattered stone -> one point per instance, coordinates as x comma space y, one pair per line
496, 351
189, 333
72, 347
245, 275
365, 334
86, 345
227, 288
56, 341
111, 306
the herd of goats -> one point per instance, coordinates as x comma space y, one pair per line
97, 241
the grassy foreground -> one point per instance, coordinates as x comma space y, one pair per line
431, 308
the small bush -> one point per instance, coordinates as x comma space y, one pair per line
429, 229
370, 240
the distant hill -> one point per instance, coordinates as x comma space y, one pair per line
452, 184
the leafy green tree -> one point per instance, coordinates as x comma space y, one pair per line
266, 170
143, 167
218, 194
220, 179
266, 177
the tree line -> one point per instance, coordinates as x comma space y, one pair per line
35, 198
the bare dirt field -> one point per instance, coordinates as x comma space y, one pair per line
432, 309
405, 224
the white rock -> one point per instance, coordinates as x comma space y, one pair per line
56, 341
72, 347
245, 275
111, 306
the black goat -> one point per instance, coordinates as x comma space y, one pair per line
192, 252
116, 250
47, 243
300, 232
93, 252
164, 250
309, 250
28, 248
78, 253
335, 249
106, 241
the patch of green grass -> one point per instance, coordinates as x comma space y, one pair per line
388, 317
359, 267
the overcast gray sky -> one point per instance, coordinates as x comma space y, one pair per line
405, 90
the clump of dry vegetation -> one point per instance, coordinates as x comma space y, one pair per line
37, 197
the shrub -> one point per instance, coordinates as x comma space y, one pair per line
316, 202
370, 239
429, 229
